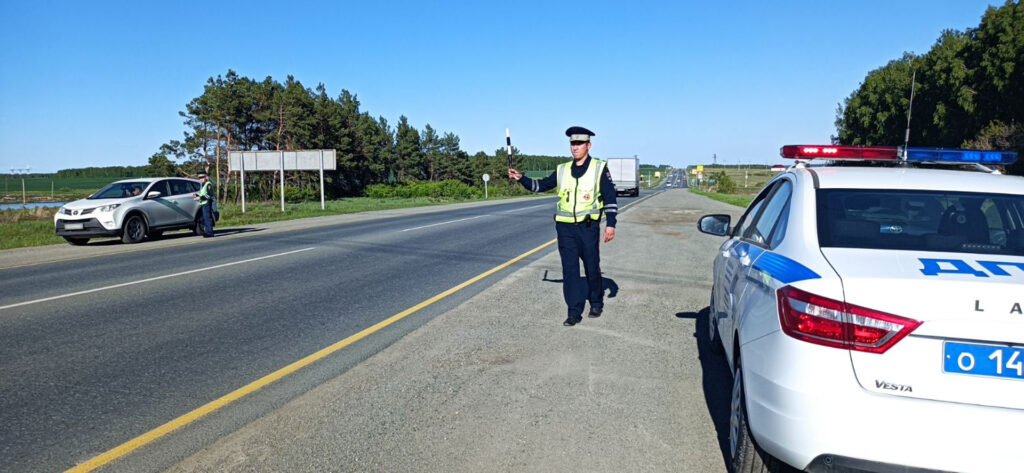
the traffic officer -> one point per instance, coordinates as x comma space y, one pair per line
204, 197
585, 191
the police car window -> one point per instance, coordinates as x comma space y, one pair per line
763, 225
743, 226
772, 224
921, 221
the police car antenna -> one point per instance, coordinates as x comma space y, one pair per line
910, 108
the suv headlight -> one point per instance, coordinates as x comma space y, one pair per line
108, 208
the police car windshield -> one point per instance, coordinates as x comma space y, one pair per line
120, 190
921, 221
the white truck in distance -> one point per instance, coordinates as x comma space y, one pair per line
625, 175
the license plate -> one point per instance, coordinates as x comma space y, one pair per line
983, 360
74, 226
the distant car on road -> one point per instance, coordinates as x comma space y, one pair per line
131, 209
873, 317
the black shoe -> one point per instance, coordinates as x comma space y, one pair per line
569, 322
595, 312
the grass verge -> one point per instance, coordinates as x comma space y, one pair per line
739, 200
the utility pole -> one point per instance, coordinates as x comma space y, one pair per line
22, 171
714, 159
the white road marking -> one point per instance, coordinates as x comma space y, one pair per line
442, 223
115, 286
526, 208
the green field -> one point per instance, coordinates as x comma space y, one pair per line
44, 184
748, 180
47, 189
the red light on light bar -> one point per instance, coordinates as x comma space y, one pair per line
841, 152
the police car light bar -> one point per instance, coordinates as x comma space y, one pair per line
873, 153
965, 156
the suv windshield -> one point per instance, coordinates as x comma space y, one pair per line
120, 190
921, 221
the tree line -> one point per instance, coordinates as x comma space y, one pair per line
114, 172
968, 92
239, 113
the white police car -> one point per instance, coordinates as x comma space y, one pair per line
131, 209
873, 316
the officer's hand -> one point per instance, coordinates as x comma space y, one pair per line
515, 175
609, 233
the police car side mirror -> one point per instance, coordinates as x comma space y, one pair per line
715, 224
153, 194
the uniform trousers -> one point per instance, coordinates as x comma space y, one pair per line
580, 242
207, 210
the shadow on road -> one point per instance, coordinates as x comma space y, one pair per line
216, 232
607, 284
716, 380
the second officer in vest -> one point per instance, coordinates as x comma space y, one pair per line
585, 191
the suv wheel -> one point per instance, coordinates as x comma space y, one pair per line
77, 241
197, 225
134, 229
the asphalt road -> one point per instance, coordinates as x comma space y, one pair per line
497, 384
101, 344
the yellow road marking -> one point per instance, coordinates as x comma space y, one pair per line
146, 438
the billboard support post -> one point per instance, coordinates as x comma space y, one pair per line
282, 181
321, 179
242, 168
281, 161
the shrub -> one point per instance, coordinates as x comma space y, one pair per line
450, 189
723, 183
293, 195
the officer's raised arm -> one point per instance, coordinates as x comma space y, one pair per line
534, 185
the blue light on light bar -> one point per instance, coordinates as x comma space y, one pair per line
967, 156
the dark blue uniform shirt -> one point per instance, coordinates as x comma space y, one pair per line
611, 208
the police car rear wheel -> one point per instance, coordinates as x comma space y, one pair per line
134, 229
746, 456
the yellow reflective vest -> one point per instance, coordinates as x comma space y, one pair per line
579, 199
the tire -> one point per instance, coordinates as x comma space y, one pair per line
713, 337
133, 230
746, 456
76, 241
197, 225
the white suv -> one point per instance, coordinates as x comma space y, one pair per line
874, 316
131, 209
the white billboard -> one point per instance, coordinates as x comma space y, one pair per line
301, 160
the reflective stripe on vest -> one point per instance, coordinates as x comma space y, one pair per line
579, 199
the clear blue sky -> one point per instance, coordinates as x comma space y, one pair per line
100, 83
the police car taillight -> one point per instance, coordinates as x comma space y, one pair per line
884, 153
823, 321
